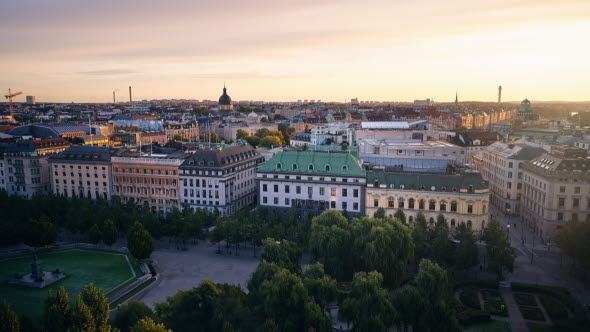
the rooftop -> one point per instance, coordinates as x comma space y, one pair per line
430, 182
314, 163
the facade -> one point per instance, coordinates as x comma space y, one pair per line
300, 139
186, 131
525, 112
31, 100
501, 167
222, 178
556, 190
25, 165
82, 171
51, 130
230, 131
332, 133
151, 179
153, 137
460, 197
312, 181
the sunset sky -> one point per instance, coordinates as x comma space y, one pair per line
284, 50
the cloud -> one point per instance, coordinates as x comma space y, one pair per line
108, 72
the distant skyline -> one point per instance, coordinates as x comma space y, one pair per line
333, 50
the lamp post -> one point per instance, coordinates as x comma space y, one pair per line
508, 232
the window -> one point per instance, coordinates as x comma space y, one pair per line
355, 193
355, 206
344, 192
560, 216
469, 208
442, 206
286, 201
375, 202
421, 204
344, 169
322, 191
298, 189
264, 200
333, 204
310, 191
411, 203
391, 202
344, 206
432, 205
562, 189
333, 191
576, 203
452, 222
453, 206
294, 166
327, 168
576, 190
276, 200
310, 167
561, 202
279, 166
264, 187
287, 189
276, 188
400, 202
469, 224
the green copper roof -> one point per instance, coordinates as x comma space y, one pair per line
420, 181
314, 163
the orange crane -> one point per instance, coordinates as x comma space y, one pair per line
9, 97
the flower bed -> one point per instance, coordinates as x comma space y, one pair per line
469, 296
525, 299
496, 308
532, 313
554, 308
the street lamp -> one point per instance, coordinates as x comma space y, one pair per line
508, 232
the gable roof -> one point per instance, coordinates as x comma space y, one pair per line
314, 163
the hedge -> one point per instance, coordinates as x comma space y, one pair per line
476, 282
472, 316
470, 298
562, 294
554, 308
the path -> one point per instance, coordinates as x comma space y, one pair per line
514, 316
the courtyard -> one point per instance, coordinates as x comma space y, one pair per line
108, 271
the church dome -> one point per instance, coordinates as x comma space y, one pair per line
225, 100
525, 106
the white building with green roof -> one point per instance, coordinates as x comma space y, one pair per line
312, 181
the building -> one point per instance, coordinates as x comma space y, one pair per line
82, 171
94, 140
154, 137
225, 103
300, 139
222, 177
31, 100
525, 112
188, 131
125, 139
150, 179
459, 196
332, 133
25, 165
52, 130
556, 190
230, 131
501, 167
312, 181
474, 141
414, 155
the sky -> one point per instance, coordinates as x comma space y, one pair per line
285, 50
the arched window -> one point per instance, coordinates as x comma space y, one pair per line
294, 166
431, 221
453, 206
327, 168
469, 223
483, 209
400, 202
344, 168
452, 222
421, 204
432, 205
483, 224
411, 203
391, 202
279, 166
410, 219
443, 206
310, 167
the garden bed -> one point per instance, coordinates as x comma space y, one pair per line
554, 308
469, 297
525, 299
532, 313
496, 308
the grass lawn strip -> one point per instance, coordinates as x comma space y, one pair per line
492, 326
132, 293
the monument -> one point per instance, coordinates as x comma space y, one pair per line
37, 278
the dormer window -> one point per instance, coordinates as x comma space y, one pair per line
344, 168
310, 167
279, 166
328, 168
294, 166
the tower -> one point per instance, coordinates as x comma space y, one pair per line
456, 97
130, 100
500, 94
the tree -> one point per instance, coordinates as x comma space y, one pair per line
82, 320
573, 240
242, 134
269, 141
441, 251
40, 233
140, 242
432, 281
148, 325
384, 245
319, 285
466, 253
420, 239
109, 233
96, 302
231, 311
367, 305
8, 319
501, 254
400, 215
380, 213
128, 315
329, 240
94, 234
57, 311
409, 304
284, 253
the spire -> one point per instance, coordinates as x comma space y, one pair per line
224, 89
456, 97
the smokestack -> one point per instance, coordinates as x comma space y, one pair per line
500, 94
114, 102
130, 99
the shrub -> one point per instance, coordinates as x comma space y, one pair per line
469, 297
471, 316
559, 293
538, 327
476, 282
496, 308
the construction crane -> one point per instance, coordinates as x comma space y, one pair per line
9, 97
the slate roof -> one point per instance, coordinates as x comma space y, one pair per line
419, 181
314, 163
220, 158
84, 153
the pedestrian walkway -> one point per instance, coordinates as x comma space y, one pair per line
514, 316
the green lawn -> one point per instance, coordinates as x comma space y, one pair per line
105, 270
491, 326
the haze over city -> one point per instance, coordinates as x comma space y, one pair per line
68, 50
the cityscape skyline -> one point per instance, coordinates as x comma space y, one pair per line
67, 51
